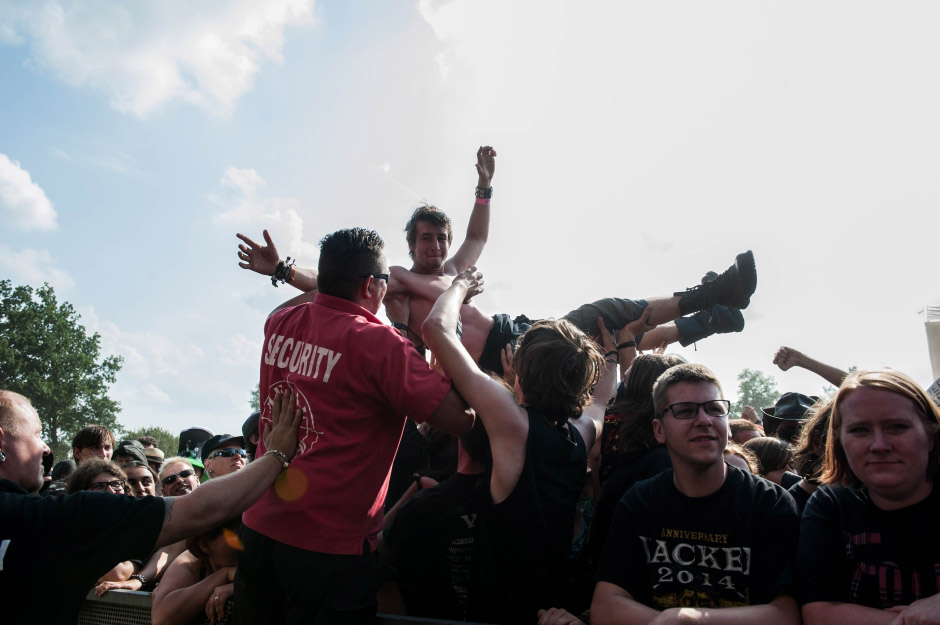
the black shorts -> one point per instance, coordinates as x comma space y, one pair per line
616, 312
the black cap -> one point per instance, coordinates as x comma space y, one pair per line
217, 441
251, 425
131, 448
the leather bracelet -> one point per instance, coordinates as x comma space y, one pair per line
611, 353
626, 344
280, 456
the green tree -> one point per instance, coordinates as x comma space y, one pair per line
755, 388
256, 398
167, 441
46, 355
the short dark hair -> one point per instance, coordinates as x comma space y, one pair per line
148, 440
345, 255
431, 215
688, 372
80, 479
92, 436
63, 469
558, 366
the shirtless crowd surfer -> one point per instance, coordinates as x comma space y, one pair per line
687, 316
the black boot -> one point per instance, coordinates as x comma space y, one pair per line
732, 288
704, 323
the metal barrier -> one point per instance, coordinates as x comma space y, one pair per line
116, 607
131, 607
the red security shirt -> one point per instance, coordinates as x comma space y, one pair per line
356, 380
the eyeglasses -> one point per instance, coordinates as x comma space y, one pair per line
228, 452
169, 479
112, 485
684, 410
377, 276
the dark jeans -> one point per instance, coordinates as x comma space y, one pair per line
283, 585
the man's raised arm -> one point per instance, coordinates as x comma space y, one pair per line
264, 259
478, 228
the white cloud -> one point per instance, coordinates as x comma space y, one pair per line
239, 352
143, 56
23, 203
33, 267
243, 205
146, 355
146, 394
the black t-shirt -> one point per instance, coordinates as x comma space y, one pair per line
851, 551
432, 540
800, 496
620, 481
731, 548
54, 549
525, 541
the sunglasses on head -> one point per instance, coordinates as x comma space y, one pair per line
228, 452
169, 479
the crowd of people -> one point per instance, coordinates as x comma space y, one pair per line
459, 465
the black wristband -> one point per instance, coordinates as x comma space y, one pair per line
484, 194
611, 353
626, 344
283, 271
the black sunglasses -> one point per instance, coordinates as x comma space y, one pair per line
169, 479
377, 276
228, 452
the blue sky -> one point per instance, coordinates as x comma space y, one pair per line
640, 144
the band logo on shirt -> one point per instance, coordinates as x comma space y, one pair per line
696, 573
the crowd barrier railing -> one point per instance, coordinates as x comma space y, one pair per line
130, 607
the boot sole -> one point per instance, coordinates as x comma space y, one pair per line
747, 276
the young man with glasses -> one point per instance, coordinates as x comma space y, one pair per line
705, 536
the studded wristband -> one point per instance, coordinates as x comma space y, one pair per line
280, 457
